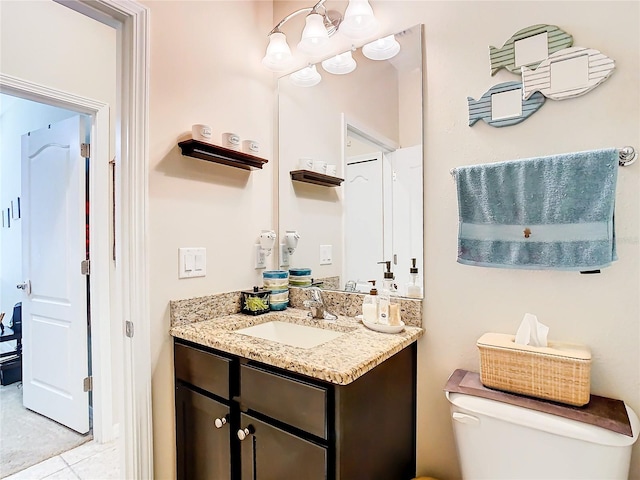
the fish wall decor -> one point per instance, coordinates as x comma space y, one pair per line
568, 73
505, 57
483, 109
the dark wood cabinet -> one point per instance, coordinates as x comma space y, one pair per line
203, 427
277, 425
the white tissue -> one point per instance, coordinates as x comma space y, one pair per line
532, 332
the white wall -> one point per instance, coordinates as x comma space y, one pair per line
463, 302
205, 68
197, 204
17, 117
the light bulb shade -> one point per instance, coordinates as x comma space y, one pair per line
278, 57
359, 21
340, 64
315, 37
307, 77
381, 49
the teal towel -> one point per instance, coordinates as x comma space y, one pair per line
552, 212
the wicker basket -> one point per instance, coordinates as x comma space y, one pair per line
560, 372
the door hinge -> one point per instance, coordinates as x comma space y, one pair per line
85, 267
85, 150
88, 384
128, 329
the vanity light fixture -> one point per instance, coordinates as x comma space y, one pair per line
306, 77
320, 24
341, 64
382, 49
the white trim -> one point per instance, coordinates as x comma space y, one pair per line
131, 20
99, 220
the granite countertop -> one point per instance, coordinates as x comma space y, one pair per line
338, 361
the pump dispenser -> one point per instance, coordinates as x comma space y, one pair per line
385, 296
370, 305
414, 287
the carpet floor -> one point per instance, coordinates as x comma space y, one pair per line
28, 438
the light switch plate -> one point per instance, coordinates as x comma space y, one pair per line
326, 254
192, 262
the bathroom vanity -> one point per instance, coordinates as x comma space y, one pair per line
250, 408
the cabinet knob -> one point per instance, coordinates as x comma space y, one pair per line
220, 422
245, 432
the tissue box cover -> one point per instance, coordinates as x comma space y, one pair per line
560, 372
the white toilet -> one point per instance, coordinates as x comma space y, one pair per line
500, 441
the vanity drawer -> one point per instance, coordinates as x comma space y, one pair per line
203, 369
286, 399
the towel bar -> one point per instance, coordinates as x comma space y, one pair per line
627, 155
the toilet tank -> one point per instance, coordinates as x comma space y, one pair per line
500, 441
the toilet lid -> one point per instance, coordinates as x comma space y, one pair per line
603, 420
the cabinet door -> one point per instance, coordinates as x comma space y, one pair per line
270, 453
203, 448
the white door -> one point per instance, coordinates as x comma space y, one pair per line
363, 219
407, 211
54, 311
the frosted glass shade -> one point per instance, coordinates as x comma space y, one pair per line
381, 49
307, 77
278, 57
340, 64
314, 36
359, 21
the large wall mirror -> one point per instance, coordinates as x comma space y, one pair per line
368, 123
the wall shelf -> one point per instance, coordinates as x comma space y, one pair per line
225, 156
316, 178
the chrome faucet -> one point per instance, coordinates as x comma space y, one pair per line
316, 304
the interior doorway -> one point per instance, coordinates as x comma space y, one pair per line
22, 118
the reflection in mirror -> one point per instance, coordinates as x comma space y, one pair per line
368, 123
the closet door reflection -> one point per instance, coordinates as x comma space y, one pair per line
364, 219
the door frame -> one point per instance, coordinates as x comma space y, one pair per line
129, 301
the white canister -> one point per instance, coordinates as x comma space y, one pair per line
250, 146
305, 163
201, 132
332, 169
231, 140
319, 166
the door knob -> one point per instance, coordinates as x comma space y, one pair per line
220, 422
26, 286
245, 432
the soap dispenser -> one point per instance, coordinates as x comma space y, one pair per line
370, 305
385, 296
414, 287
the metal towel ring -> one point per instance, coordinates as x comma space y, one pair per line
627, 156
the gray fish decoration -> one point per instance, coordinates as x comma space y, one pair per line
505, 57
481, 109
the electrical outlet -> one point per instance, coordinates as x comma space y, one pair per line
261, 258
326, 254
284, 256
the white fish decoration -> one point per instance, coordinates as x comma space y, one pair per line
568, 73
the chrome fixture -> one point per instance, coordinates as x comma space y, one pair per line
316, 304
358, 23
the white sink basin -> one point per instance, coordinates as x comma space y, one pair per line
292, 334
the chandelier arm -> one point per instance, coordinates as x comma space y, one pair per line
294, 14
289, 17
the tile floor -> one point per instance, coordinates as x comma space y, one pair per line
89, 461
